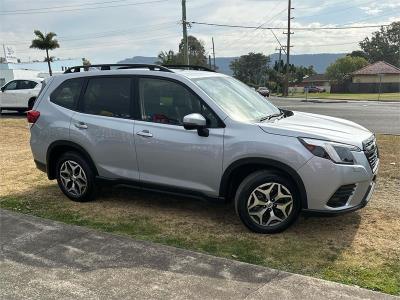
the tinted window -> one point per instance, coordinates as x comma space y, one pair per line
164, 101
26, 84
109, 97
11, 86
67, 94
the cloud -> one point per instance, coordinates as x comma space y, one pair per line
109, 35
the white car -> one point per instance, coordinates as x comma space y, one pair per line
20, 94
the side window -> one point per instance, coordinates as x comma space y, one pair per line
26, 84
67, 94
108, 96
164, 101
11, 86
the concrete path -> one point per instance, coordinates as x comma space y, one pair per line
379, 117
42, 259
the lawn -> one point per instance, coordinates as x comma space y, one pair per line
383, 97
360, 248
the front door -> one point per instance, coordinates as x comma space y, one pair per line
167, 154
8, 95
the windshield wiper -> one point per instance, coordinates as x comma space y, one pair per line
269, 117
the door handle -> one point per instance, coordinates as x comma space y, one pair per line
81, 125
145, 133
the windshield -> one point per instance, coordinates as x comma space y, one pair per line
239, 101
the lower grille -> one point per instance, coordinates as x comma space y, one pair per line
342, 195
371, 151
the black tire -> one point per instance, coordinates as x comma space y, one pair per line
88, 193
31, 102
249, 184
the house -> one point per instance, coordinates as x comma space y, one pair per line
318, 80
377, 77
378, 72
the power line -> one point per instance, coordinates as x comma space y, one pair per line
80, 9
283, 28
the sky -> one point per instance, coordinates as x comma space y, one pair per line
106, 31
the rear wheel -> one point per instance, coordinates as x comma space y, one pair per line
267, 202
31, 102
75, 177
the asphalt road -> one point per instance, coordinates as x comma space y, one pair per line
379, 117
42, 259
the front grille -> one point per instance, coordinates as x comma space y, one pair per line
371, 151
342, 195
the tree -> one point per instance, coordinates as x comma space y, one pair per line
196, 51
384, 44
251, 68
358, 53
167, 58
45, 42
86, 62
342, 67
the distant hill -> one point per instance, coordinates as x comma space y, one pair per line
320, 61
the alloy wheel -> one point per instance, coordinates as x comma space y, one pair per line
270, 204
73, 178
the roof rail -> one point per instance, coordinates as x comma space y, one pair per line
189, 67
104, 67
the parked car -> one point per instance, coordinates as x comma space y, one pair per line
263, 91
314, 89
202, 134
19, 94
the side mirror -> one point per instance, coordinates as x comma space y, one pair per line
196, 121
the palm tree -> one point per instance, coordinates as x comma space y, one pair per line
45, 42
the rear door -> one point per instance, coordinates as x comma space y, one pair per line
8, 95
104, 124
167, 154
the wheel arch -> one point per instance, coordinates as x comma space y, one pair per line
57, 148
238, 170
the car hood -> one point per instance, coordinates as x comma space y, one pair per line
323, 127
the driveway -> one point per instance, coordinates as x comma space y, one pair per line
379, 117
42, 259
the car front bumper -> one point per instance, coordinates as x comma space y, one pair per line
323, 179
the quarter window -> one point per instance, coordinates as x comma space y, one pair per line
67, 94
109, 97
164, 101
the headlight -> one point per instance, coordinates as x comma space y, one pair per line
336, 152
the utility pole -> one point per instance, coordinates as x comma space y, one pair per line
213, 52
286, 89
279, 63
185, 37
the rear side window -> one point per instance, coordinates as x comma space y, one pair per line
26, 84
110, 97
67, 94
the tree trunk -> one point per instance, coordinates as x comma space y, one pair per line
48, 62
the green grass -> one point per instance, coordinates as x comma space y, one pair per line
333, 96
293, 255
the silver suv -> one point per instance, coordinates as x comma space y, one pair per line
196, 132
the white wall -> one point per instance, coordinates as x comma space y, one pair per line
8, 75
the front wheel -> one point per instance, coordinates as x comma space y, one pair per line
267, 202
75, 177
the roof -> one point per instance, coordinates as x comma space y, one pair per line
380, 67
316, 77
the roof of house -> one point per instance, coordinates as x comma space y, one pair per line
316, 77
380, 67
